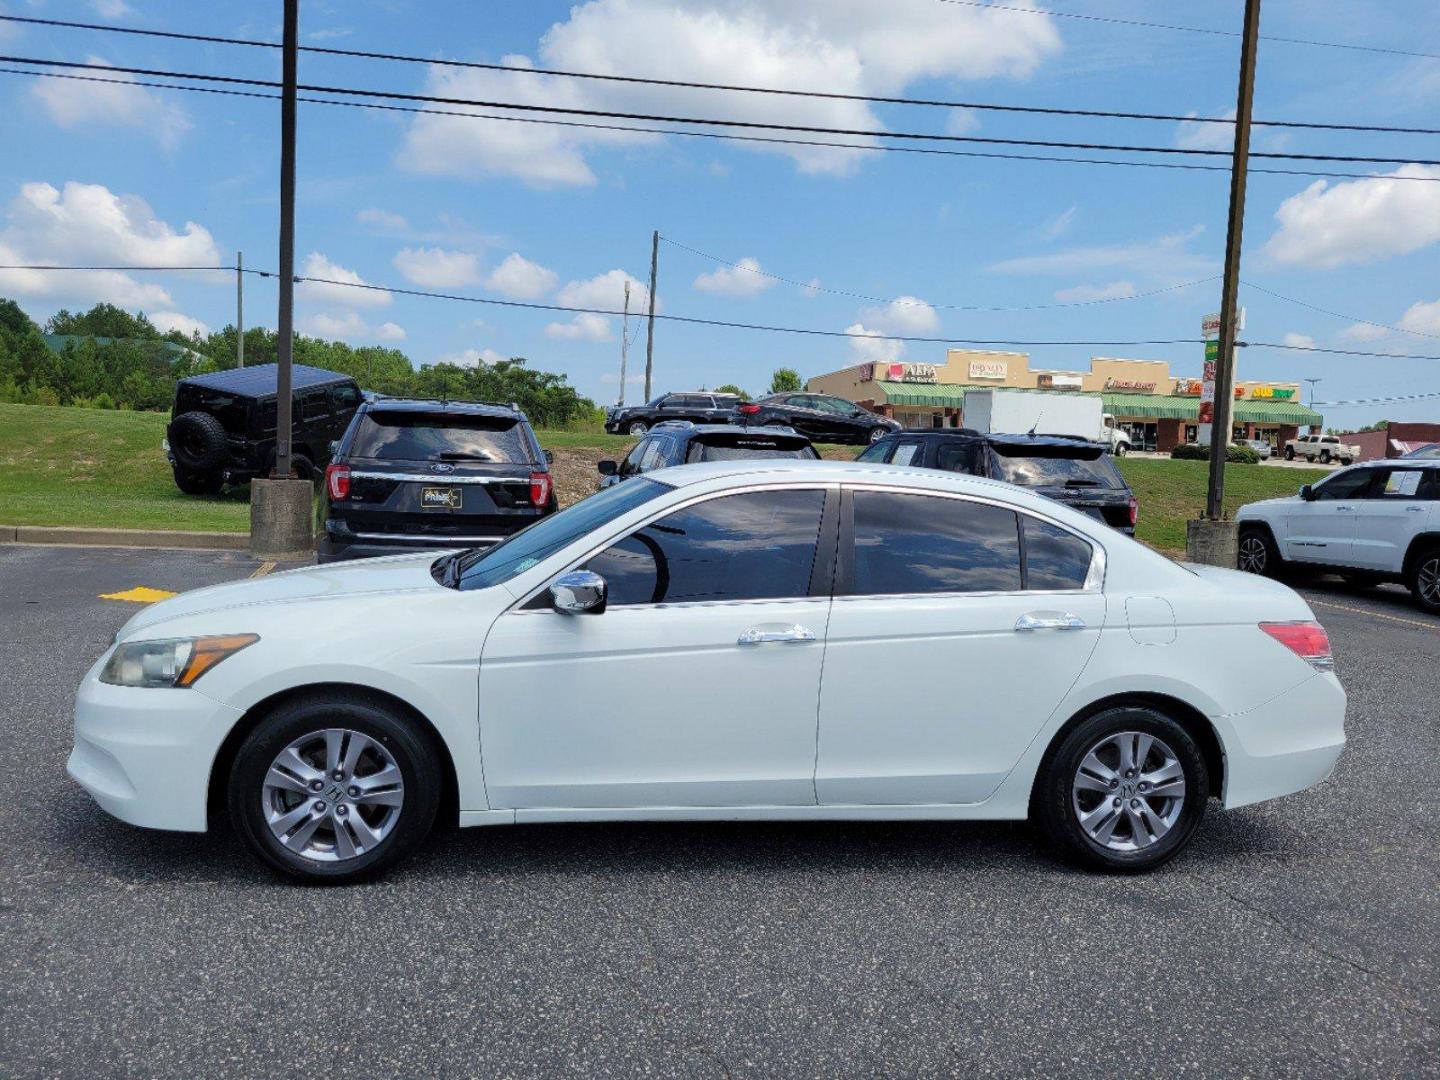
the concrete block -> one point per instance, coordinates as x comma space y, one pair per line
143, 538
1212, 543
281, 519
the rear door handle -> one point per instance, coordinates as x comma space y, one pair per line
1345, 509
761, 635
1415, 509
1050, 620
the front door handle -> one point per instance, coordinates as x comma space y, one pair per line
1050, 620
761, 635
1345, 509
1415, 509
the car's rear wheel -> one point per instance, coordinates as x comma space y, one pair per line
637, 427
876, 434
1257, 553
1124, 791
197, 440
1425, 580
334, 789
1324, 457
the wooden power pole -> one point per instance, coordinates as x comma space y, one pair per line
239, 309
284, 394
650, 332
1225, 361
624, 342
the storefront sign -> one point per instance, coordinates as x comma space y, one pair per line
989, 369
1210, 325
1189, 387
1049, 381
867, 372
1276, 393
1130, 385
913, 373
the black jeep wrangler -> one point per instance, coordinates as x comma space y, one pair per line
222, 427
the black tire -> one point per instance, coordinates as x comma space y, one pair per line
1121, 449
1257, 553
1054, 806
198, 483
197, 440
636, 428
409, 748
1424, 580
305, 469
1289, 453
1324, 457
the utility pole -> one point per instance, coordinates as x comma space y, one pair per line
624, 342
1225, 362
1312, 383
650, 333
239, 309
284, 395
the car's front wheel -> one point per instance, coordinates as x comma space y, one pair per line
1425, 580
876, 434
334, 788
1124, 791
1257, 553
1289, 453
637, 427
1121, 449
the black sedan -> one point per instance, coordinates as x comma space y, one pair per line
820, 416
680, 443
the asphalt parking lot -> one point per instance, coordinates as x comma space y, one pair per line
1296, 938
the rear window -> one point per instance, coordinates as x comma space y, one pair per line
422, 436
1053, 467
733, 447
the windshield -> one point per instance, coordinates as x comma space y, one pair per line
732, 448
421, 436
1027, 471
483, 567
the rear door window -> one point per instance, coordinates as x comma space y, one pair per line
960, 457
1054, 558
915, 544
404, 435
1401, 485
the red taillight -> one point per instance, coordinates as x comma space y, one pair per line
1307, 640
337, 481
539, 488
749, 410
1134, 510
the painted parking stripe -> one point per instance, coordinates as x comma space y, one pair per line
263, 569
140, 594
1375, 614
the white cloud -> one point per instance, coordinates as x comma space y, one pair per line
1422, 318
853, 46
520, 279
1364, 332
742, 279
341, 326
389, 331
871, 345
1084, 294
583, 327
606, 291
1166, 258
1358, 220
112, 9
903, 315
382, 219
471, 357
1061, 222
437, 268
318, 265
1299, 341
165, 321
811, 289
88, 224
1198, 135
111, 104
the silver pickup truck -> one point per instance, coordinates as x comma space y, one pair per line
1322, 448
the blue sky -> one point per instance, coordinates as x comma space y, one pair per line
124, 174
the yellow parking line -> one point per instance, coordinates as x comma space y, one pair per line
1377, 615
263, 569
140, 594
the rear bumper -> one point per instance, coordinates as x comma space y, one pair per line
1286, 745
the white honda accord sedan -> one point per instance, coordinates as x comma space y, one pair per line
736, 640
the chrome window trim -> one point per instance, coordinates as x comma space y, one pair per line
437, 478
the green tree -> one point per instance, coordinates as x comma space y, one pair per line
103, 320
785, 380
731, 388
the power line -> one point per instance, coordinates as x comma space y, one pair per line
729, 87
1189, 29
1338, 352
1336, 314
815, 287
727, 137
717, 122
1374, 401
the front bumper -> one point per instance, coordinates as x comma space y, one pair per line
145, 755
1290, 743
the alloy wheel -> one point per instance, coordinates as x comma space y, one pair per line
1128, 791
1427, 581
333, 795
1253, 554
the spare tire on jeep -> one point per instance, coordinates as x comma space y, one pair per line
197, 440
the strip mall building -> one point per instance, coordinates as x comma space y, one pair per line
1159, 410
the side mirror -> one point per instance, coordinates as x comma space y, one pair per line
607, 467
1307, 493
579, 592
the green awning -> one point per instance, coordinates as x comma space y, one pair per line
1180, 407
934, 395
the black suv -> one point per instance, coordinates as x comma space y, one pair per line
222, 427
699, 407
417, 475
677, 442
822, 417
1071, 470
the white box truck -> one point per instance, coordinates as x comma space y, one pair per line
1045, 412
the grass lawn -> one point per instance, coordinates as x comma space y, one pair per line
1172, 492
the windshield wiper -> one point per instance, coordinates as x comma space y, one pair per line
465, 455
1082, 483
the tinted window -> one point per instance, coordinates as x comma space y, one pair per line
1054, 558
905, 453
314, 406
755, 546
1032, 467
656, 455
877, 452
345, 397
1430, 486
799, 401
483, 567
926, 544
631, 464
733, 447
957, 457
419, 436
1345, 485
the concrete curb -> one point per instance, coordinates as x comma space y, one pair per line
141, 538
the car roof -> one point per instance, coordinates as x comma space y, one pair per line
260, 380
689, 430
435, 405
1004, 438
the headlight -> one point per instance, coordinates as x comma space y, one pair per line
174, 662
